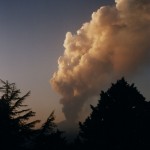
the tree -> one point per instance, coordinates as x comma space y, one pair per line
15, 128
49, 137
121, 120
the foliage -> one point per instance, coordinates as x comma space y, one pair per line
121, 120
15, 127
16, 131
49, 136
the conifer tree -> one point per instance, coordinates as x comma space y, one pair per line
15, 127
121, 120
49, 136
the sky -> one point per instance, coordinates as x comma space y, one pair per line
32, 33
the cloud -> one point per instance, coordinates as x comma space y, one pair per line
113, 43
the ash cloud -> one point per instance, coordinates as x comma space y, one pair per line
113, 43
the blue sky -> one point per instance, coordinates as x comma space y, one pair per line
32, 33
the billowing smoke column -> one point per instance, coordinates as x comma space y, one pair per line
115, 42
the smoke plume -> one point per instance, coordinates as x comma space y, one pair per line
114, 43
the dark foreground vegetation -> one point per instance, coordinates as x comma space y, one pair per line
120, 121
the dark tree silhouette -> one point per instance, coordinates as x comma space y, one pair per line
49, 137
15, 128
120, 121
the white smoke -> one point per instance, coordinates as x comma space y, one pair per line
115, 42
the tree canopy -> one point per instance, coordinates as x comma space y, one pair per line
15, 127
49, 137
17, 131
121, 120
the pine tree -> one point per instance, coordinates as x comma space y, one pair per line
121, 120
49, 136
15, 128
